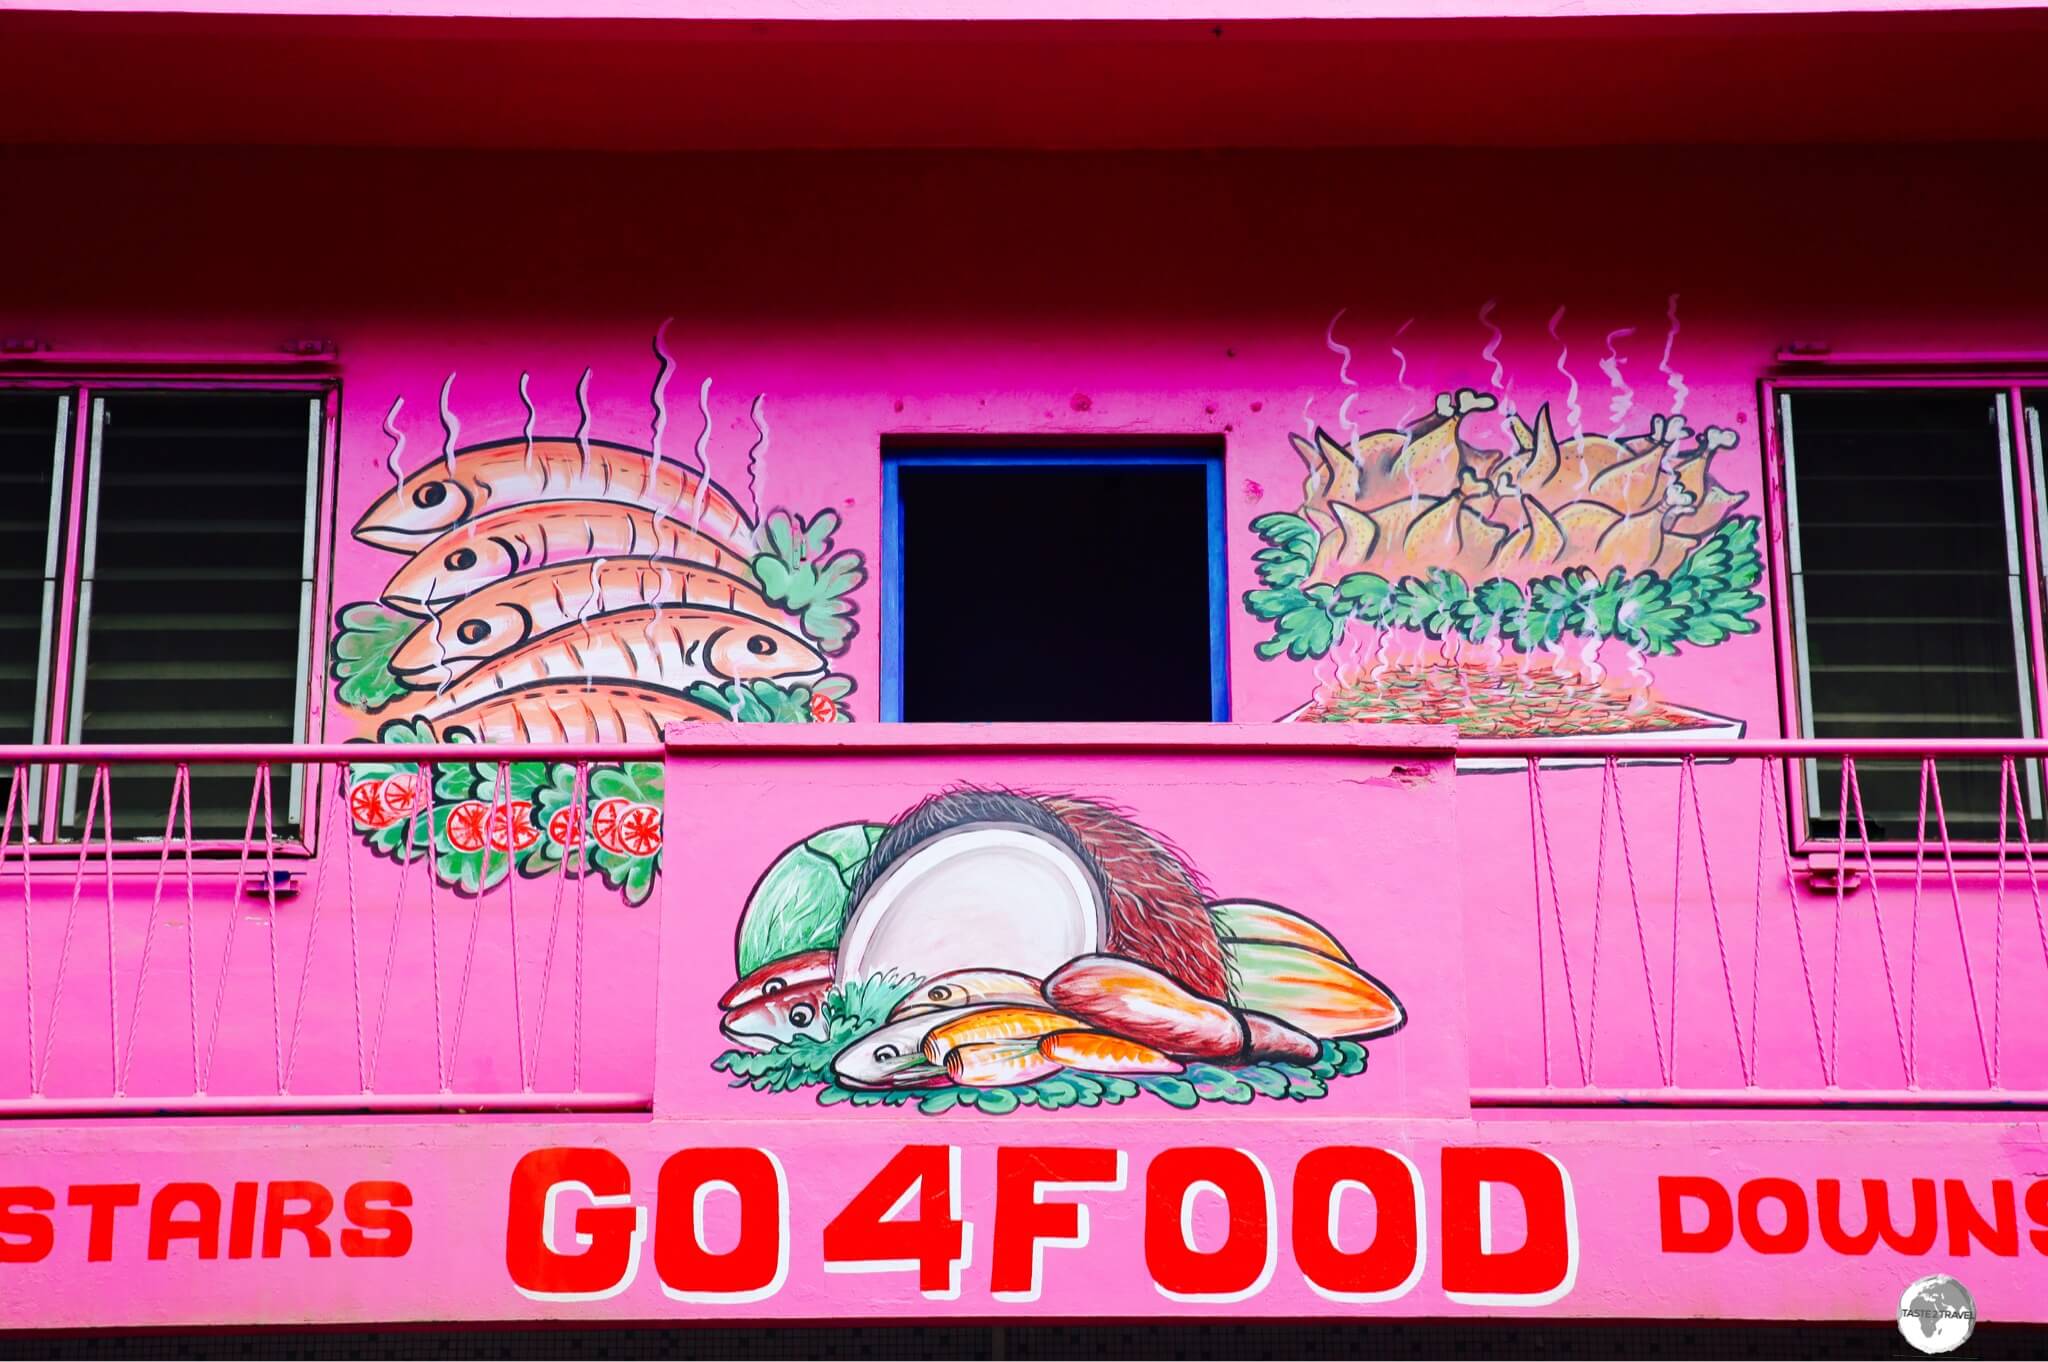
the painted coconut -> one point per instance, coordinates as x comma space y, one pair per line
974, 879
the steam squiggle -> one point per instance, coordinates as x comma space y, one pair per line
1491, 351
757, 457
527, 430
588, 608
1624, 399
397, 443
1573, 414
703, 459
1308, 420
450, 425
1337, 347
659, 400
1675, 379
583, 421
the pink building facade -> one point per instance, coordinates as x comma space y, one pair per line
1615, 447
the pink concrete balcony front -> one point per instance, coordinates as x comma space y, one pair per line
1586, 923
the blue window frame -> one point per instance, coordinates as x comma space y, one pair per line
1021, 459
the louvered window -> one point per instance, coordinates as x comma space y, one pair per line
156, 585
1910, 592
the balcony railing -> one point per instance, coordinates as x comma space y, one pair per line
309, 969
1665, 924
1691, 927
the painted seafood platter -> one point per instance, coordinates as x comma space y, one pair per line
565, 589
992, 949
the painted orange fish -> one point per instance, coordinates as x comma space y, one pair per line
572, 712
993, 1024
492, 477
1098, 1052
506, 542
506, 615
668, 648
999, 1064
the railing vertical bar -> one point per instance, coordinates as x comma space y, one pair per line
1756, 923
1884, 953
1913, 928
270, 920
191, 932
391, 940
511, 832
1607, 778
17, 796
92, 806
1782, 824
1690, 771
476, 908
1635, 903
113, 973
2033, 871
1955, 898
227, 949
547, 970
1536, 887
156, 901
345, 848
1677, 914
1841, 903
325, 831
582, 888
428, 776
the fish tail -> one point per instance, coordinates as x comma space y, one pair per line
1310, 991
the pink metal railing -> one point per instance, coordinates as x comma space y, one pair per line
1684, 940
415, 997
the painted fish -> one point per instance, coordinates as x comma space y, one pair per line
893, 1057
491, 477
505, 615
1098, 1052
571, 712
999, 1064
668, 648
1321, 996
1251, 920
805, 967
987, 1024
516, 539
969, 987
772, 1018
1130, 999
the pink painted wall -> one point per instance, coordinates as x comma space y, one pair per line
1095, 298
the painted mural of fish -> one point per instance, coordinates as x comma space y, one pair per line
893, 1056
492, 477
571, 712
504, 543
805, 967
508, 614
770, 1019
666, 649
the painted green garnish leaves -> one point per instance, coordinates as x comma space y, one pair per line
766, 701
366, 635
1705, 600
799, 572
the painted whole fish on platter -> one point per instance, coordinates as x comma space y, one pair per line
493, 621
491, 477
666, 648
504, 543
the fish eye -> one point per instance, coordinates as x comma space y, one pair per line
802, 1014
760, 645
430, 494
773, 986
473, 631
940, 994
462, 560
884, 1053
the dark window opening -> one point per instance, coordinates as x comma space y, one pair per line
1055, 588
1908, 596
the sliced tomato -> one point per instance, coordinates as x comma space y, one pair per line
510, 829
824, 709
640, 830
604, 824
565, 828
466, 825
366, 805
401, 793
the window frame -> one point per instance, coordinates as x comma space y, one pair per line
67, 612
2024, 474
1186, 453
